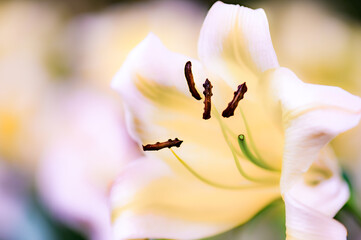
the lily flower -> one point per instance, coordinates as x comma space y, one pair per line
258, 133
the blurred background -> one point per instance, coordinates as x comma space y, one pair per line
62, 138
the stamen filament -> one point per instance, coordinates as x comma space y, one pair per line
245, 150
214, 184
234, 152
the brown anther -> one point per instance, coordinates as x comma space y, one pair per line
207, 99
238, 95
159, 145
190, 80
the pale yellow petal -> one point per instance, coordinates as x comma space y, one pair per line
149, 200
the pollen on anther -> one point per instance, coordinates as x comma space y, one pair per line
190, 80
160, 145
207, 99
238, 95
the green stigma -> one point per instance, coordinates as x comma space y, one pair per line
246, 151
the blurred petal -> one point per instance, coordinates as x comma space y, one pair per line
25, 76
13, 190
235, 43
149, 200
104, 44
87, 148
314, 42
312, 115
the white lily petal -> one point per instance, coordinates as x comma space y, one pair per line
153, 60
304, 223
321, 183
152, 64
310, 209
312, 116
235, 43
327, 197
150, 200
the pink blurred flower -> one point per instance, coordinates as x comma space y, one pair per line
87, 148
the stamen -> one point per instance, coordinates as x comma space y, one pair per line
189, 76
238, 95
207, 99
245, 150
214, 184
234, 154
159, 145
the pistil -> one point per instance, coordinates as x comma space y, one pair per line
245, 150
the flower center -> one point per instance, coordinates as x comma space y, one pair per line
242, 151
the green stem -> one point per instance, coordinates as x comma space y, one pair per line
351, 209
351, 206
